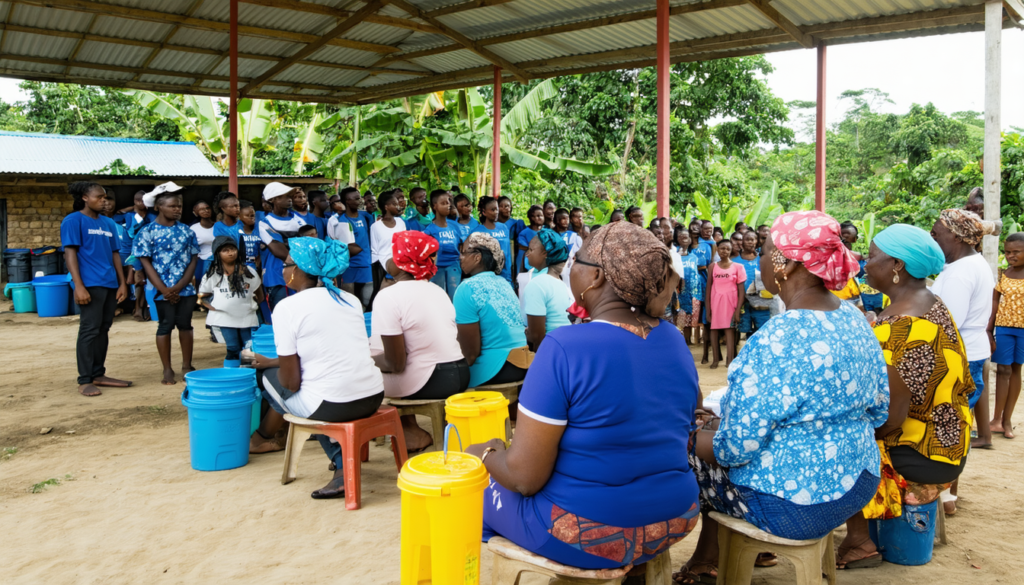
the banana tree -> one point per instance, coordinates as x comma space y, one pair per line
308, 144
257, 125
195, 116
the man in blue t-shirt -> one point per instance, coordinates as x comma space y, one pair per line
275, 228
418, 215
300, 207
94, 263
358, 278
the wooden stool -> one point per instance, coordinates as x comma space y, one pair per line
352, 436
510, 391
511, 561
433, 409
940, 523
739, 544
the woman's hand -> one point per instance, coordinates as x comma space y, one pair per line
992, 341
736, 318
478, 449
261, 362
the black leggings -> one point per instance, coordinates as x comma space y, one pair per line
175, 315
917, 468
506, 375
327, 411
447, 380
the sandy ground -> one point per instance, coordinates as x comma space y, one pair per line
130, 509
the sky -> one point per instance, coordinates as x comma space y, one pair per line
947, 70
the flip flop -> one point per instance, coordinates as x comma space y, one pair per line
766, 560
869, 562
688, 575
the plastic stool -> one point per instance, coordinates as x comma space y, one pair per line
434, 409
510, 391
511, 560
940, 523
739, 543
351, 435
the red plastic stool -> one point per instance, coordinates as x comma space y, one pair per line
350, 435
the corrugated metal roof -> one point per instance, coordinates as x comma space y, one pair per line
46, 39
57, 154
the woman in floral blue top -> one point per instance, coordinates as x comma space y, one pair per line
795, 452
169, 250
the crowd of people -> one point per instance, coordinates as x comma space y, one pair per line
852, 394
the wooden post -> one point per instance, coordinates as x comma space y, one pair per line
233, 101
819, 135
662, 171
993, 123
496, 149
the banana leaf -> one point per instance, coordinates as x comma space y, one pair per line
703, 205
256, 118
650, 209
308, 145
773, 212
208, 122
732, 217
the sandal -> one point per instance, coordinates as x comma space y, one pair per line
766, 559
868, 562
690, 574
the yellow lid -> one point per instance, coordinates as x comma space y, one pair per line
430, 474
470, 404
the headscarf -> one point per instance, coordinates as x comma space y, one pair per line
812, 238
636, 263
482, 240
968, 227
414, 253
914, 246
554, 245
325, 259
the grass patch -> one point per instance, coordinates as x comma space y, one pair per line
158, 410
7, 452
53, 481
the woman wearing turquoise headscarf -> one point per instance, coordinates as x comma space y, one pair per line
924, 441
323, 369
546, 297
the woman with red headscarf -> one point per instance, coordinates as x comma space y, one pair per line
415, 341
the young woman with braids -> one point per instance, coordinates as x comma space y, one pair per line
231, 292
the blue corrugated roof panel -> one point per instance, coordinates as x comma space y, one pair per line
58, 154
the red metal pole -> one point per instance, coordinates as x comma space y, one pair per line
663, 100
496, 149
233, 102
819, 136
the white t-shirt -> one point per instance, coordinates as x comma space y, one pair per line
340, 230
420, 311
677, 261
966, 286
380, 240
205, 237
232, 310
330, 340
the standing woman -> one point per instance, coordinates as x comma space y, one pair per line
635, 215
358, 279
135, 277
204, 235
449, 238
536, 217
381, 233
91, 254
549, 214
490, 226
725, 300
690, 291
546, 297
576, 223
228, 209
466, 222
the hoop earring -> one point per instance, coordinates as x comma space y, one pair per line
582, 298
895, 276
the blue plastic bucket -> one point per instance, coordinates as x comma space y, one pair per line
52, 294
23, 296
151, 301
367, 317
907, 540
263, 343
220, 412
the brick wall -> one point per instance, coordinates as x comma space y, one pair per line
34, 214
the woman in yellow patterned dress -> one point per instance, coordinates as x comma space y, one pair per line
926, 438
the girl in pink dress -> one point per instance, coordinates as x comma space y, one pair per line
724, 298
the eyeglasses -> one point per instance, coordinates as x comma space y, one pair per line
585, 263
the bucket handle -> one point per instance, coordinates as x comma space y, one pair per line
447, 432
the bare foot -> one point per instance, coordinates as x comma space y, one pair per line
186, 368
416, 439
138, 316
89, 390
1008, 432
704, 360
949, 507
714, 365
259, 445
980, 443
118, 312
996, 427
168, 378
111, 382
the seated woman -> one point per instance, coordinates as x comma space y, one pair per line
924, 442
604, 417
415, 342
546, 297
323, 370
487, 314
795, 453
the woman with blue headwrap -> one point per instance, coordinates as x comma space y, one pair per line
924, 441
323, 369
546, 297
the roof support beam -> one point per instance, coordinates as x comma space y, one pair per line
156, 51
309, 7
464, 6
784, 23
343, 27
78, 45
462, 39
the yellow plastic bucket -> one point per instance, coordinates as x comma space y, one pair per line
479, 416
442, 518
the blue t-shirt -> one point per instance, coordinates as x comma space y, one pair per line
274, 228
252, 246
96, 240
487, 299
318, 222
523, 239
416, 221
170, 249
547, 296
467, 228
222, 229
515, 226
627, 405
750, 266
692, 286
500, 233
450, 238
361, 233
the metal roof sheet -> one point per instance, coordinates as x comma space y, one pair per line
55, 154
109, 41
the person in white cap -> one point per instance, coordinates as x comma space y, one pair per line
275, 228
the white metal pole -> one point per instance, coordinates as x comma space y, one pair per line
993, 94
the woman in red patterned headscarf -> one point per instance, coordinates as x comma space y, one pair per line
415, 252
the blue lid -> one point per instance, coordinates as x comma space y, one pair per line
51, 280
220, 384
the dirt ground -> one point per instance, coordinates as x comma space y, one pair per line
130, 509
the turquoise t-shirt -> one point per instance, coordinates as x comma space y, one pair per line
487, 299
547, 296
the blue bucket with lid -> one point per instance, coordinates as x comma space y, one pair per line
220, 413
907, 540
52, 295
23, 296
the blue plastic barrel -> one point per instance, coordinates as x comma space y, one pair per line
367, 317
23, 296
220, 407
52, 295
151, 301
907, 540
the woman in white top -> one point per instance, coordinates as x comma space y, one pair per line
204, 233
323, 370
381, 232
231, 292
415, 340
